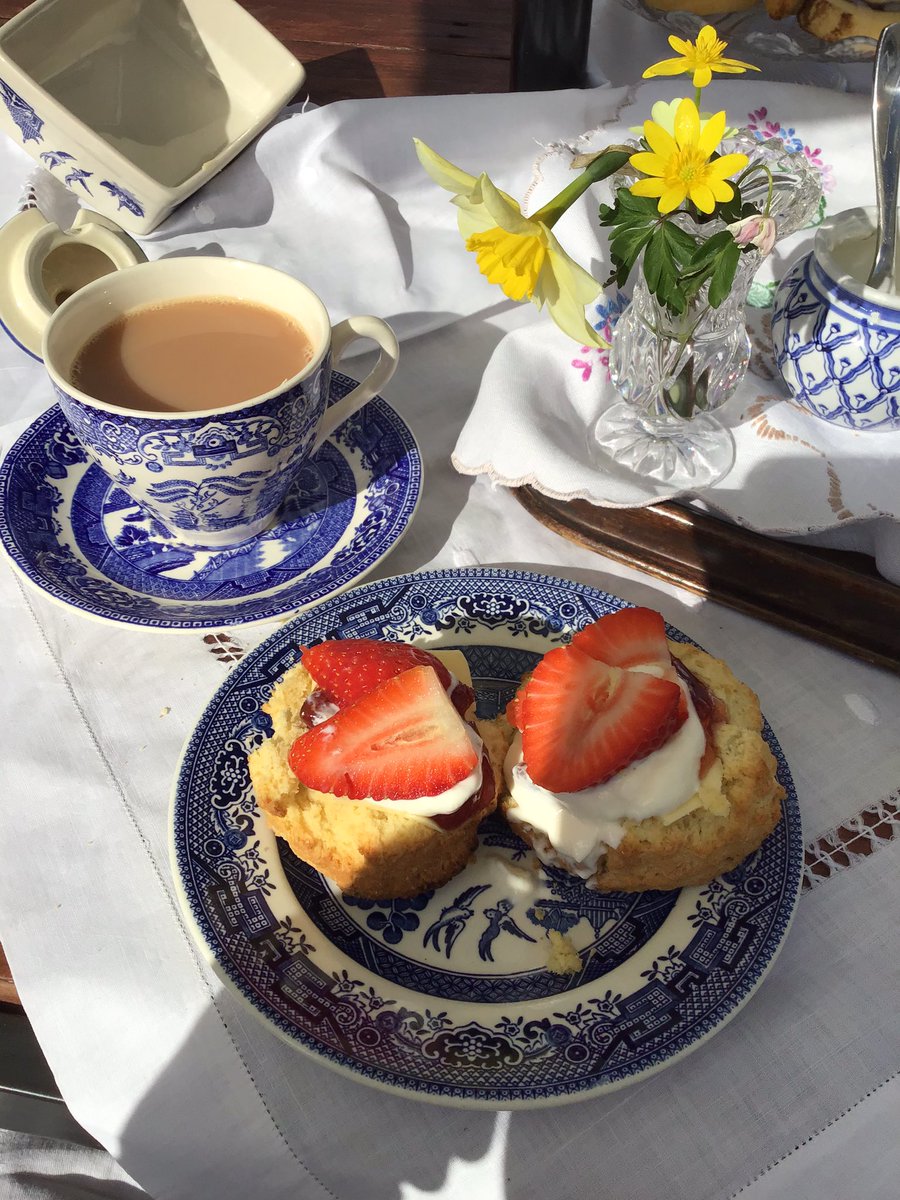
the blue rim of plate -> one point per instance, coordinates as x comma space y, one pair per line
79, 539
356, 984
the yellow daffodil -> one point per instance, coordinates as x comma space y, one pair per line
699, 58
518, 253
679, 165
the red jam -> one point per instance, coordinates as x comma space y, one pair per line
462, 698
475, 804
317, 707
709, 708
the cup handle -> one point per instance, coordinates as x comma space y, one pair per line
342, 335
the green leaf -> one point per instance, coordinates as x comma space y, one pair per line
710, 249
731, 210
691, 285
723, 276
662, 269
682, 243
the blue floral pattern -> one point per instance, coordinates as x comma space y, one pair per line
30, 127
26, 120
82, 540
271, 438
839, 354
449, 995
124, 198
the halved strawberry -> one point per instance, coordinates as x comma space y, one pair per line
628, 638
583, 721
402, 740
348, 669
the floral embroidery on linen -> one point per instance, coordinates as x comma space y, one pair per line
606, 312
764, 127
852, 841
757, 414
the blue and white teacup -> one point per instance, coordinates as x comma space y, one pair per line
216, 477
837, 340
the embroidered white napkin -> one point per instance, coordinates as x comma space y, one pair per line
542, 394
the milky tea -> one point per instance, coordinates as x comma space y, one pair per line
189, 355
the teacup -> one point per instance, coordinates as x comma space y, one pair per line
216, 477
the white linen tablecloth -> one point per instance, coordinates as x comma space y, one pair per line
191, 1092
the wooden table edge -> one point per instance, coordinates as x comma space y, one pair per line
832, 597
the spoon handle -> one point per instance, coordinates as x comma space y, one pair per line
886, 133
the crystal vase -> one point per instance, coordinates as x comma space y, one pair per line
674, 371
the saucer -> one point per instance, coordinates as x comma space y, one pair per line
82, 541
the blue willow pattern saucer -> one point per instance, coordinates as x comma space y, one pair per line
448, 996
82, 541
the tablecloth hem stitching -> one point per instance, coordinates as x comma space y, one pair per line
855, 838
120, 792
532, 480
813, 1136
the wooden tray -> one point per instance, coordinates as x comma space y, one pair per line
833, 597
8, 993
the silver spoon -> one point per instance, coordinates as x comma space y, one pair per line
886, 135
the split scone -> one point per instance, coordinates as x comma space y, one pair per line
377, 773
638, 763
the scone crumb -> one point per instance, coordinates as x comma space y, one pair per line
563, 958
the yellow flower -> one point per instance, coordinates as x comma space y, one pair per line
701, 57
518, 253
663, 113
680, 166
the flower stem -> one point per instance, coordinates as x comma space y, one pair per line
755, 169
610, 160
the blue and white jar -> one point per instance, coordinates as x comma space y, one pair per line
837, 340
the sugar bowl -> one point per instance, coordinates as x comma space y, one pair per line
837, 340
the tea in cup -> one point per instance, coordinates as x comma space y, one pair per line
201, 385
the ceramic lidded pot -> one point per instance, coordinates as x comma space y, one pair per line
837, 340
134, 105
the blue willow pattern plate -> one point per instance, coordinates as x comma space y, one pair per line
448, 996
80, 539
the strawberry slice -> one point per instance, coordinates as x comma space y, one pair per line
631, 637
583, 721
402, 740
348, 669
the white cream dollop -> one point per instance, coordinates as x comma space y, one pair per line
577, 827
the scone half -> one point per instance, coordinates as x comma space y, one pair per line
736, 807
366, 849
